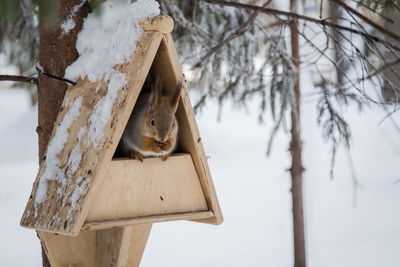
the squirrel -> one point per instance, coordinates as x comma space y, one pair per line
152, 128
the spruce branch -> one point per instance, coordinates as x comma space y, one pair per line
360, 3
367, 20
238, 32
293, 15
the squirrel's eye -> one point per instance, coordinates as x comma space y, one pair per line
173, 124
153, 122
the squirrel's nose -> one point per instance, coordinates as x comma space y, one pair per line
163, 139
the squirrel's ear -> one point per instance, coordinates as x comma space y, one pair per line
176, 96
152, 102
155, 94
158, 86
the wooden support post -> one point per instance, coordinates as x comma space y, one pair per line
121, 246
64, 250
139, 235
116, 247
109, 244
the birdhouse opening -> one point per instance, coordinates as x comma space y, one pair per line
166, 91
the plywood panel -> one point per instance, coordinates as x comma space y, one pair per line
153, 187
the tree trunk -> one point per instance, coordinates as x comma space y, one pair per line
391, 88
56, 52
337, 42
296, 170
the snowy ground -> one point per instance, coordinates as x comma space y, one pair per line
253, 191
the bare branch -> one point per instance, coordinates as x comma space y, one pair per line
16, 78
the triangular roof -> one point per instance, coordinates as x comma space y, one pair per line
69, 203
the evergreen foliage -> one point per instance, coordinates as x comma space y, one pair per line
19, 34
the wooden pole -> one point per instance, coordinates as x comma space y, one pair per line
296, 170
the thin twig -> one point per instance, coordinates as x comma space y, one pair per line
17, 78
298, 16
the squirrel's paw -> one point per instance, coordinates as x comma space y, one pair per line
164, 157
136, 155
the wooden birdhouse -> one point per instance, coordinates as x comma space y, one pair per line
81, 187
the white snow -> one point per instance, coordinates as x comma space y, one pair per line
52, 170
103, 109
109, 38
69, 23
80, 189
75, 158
82, 132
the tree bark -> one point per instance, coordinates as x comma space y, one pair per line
391, 88
56, 52
337, 41
296, 170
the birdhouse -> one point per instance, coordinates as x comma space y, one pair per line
81, 186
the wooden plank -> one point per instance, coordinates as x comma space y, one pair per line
79, 251
153, 187
69, 197
189, 137
137, 243
118, 222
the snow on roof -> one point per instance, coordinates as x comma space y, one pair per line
108, 37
